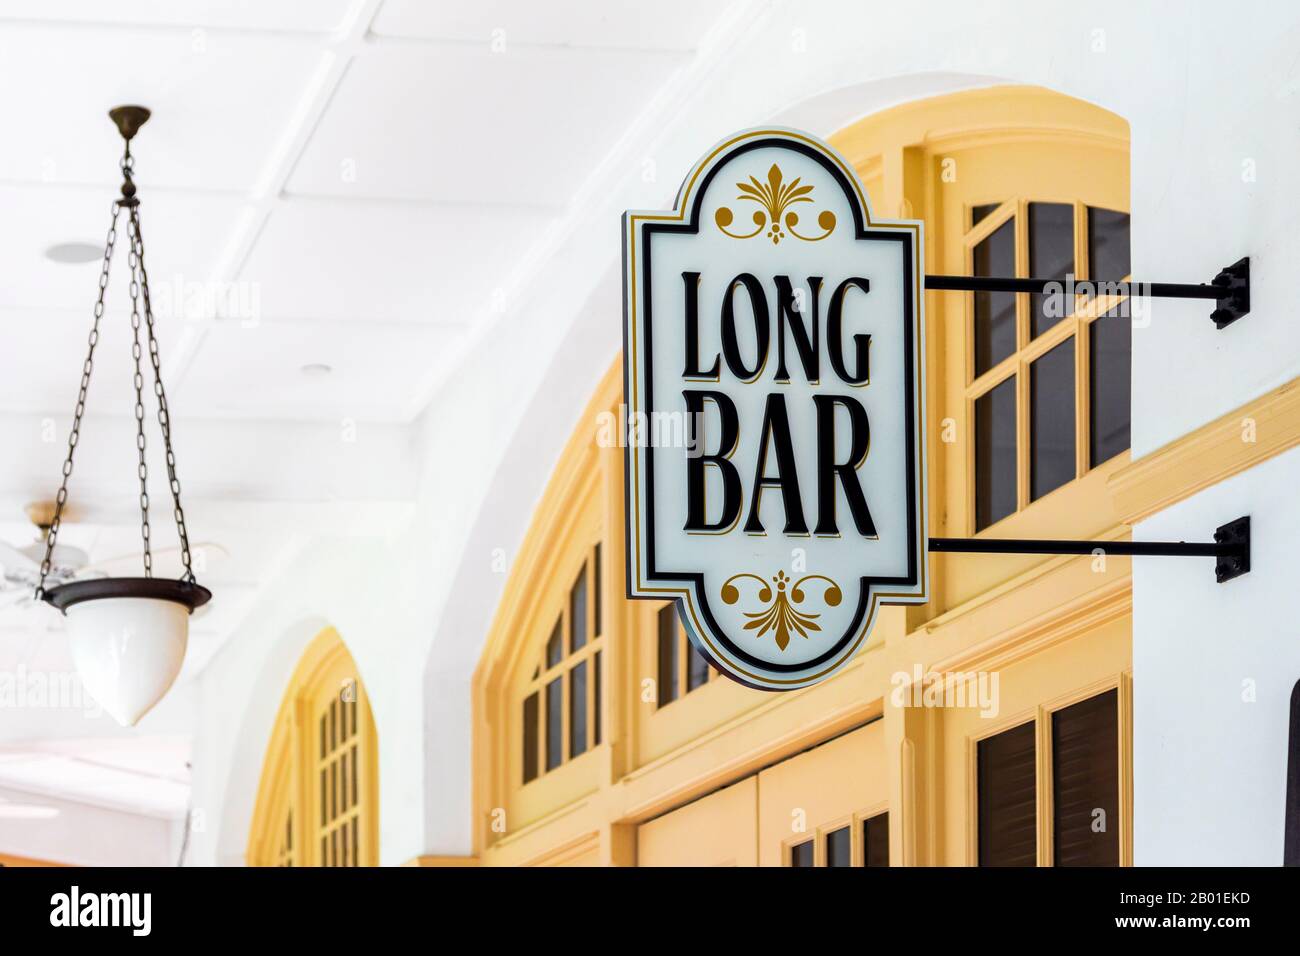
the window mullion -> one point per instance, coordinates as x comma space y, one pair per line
1023, 452
589, 651
1082, 352
1043, 754
566, 637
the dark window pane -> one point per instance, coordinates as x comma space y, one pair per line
801, 854
1109, 383
979, 213
578, 612
875, 841
555, 646
1085, 782
1051, 420
530, 736
324, 793
1051, 256
667, 654
356, 846
837, 847
995, 454
697, 668
355, 792
554, 724
323, 748
578, 709
1108, 244
995, 312
596, 597
1006, 772
596, 678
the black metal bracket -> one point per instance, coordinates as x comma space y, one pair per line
1230, 289
1235, 538
1230, 548
1235, 280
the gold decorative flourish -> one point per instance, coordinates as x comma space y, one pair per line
775, 197
781, 615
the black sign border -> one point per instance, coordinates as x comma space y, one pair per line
867, 584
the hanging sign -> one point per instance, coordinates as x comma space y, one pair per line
773, 350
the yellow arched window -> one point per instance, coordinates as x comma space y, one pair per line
317, 803
561, 702
1028, 396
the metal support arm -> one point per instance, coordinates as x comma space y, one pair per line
1231, 546
1230, 289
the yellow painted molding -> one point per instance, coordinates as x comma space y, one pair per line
1227, 446
1108, 602
7, 859
442, 861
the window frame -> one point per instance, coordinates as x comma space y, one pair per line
1018, 365
854, 822
1041, 717
685, 652
582, 565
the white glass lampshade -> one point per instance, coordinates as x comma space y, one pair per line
128, 651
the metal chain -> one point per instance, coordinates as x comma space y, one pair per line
139, 289
62, 497
164, 416
142, 468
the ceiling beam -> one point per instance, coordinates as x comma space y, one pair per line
336, 58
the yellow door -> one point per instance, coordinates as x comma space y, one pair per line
814, 808
824, 807
718, 830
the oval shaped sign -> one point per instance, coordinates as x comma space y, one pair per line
773, 377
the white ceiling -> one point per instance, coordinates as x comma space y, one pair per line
343, 182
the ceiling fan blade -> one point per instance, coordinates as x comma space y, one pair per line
12, 558
209, 548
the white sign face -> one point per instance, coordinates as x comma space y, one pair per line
773, 355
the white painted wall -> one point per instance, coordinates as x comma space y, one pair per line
1213, 668
86, 834
1204, 92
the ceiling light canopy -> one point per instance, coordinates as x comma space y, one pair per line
128, 634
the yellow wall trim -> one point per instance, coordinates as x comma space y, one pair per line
1239, 440
442, 861
1108, 602
7, 859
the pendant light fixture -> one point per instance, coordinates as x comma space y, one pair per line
128, 635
